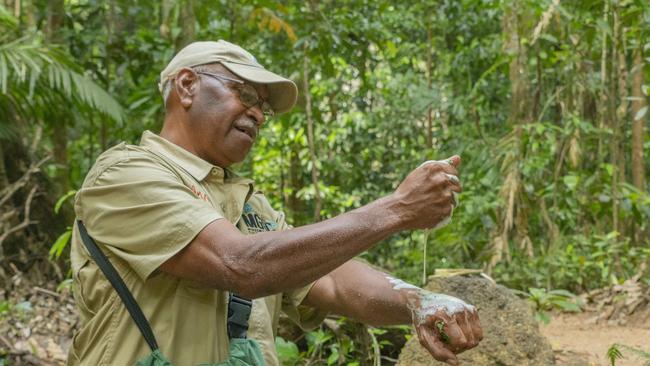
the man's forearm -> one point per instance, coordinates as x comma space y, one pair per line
360, 292
299, 256
272, 262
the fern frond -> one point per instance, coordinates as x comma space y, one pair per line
639, 352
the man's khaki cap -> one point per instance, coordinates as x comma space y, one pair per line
282, 92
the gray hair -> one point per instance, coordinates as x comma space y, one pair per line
166, 90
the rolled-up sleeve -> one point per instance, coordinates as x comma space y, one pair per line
306, 317
142, 212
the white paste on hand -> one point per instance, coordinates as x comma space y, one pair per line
431, 303
428, 303
400, 285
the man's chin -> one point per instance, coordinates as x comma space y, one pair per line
236, 160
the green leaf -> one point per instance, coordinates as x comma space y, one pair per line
57, 248
567, 306
62, 199
571, 181
561, 292
548, 37
334, 356
65, 284
542, 317
288, 352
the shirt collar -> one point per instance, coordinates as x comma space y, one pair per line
197, 167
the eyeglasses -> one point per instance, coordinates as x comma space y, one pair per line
247, 94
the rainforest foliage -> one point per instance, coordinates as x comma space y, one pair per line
546, 102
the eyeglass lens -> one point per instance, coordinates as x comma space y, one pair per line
250, 98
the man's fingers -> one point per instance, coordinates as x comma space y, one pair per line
476, 325
430, 340
454, 197
454, 160
454, 182
464, 324
445, 165
453, 178
457, 339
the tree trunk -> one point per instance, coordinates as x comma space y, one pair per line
187, 22
618, 88
517, 70
110, 31
639, 119
28, 19
164, 29
604, 76
638, 104
513, 215
4, 179
234, 19
318, 204
429, 83
294, 204
55, 16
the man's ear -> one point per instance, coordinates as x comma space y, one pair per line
186, 84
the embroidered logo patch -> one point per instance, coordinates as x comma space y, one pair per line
254, 222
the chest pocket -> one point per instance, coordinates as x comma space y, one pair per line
254, 222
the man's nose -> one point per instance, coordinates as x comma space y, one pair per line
255, 112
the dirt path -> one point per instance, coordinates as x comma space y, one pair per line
577, 341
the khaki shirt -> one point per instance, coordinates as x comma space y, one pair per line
143, 204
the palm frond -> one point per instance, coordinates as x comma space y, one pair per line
25, 63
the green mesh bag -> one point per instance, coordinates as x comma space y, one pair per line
242, 352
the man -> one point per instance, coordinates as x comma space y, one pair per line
182, 230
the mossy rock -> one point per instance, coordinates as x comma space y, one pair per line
511, 334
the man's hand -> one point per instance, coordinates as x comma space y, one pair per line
445, 325
426, 196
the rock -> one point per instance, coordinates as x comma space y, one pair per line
511, 334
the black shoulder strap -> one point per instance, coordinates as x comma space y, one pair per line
119, 286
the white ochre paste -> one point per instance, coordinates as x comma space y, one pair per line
400, 285
430, 302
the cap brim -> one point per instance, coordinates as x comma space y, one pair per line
282, 92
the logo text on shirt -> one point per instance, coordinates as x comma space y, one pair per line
254, 222
199, 194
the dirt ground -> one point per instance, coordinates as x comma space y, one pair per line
578, 341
